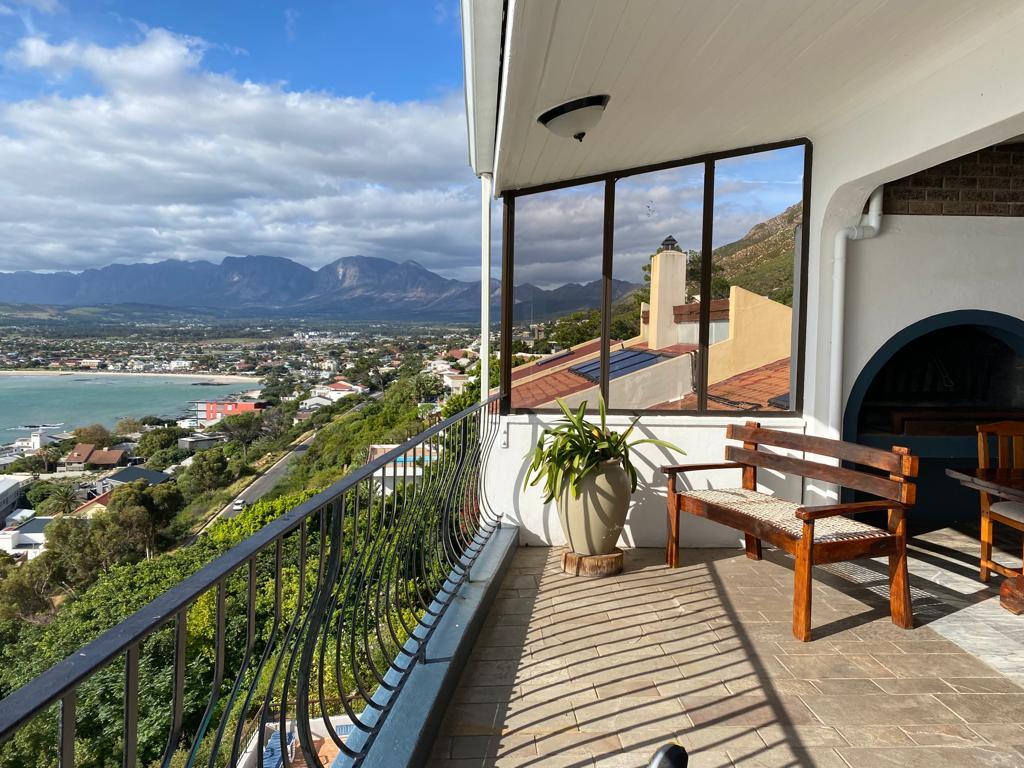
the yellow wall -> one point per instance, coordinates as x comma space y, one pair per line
760, 332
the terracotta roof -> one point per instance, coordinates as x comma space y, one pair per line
750, 390
106, 458
673, 350
102, 500
80, 453
546, 388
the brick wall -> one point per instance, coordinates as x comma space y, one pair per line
985, 183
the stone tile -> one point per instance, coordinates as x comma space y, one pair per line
845, 686
787, 755
899, 685
942, 735
875, 735
983, 685
931, 757
935, 665
747, 709
986, 708
832, 666
879, 709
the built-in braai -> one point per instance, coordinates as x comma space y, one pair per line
944, 383
928, 389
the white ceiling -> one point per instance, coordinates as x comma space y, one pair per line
692, 76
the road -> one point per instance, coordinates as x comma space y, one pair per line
266, 482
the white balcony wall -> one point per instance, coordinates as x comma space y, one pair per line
703, 439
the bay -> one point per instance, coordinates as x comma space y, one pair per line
75, 399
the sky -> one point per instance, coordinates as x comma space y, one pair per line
140, 131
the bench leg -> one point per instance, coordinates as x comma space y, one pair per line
672, 539
753, 546
802, 584
899, 580
986, 544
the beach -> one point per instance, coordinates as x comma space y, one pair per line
226, 378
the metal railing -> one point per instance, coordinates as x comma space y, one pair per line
316, 620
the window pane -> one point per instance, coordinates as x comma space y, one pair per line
557, 294
758, 204
655, 318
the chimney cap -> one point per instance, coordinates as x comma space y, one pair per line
669, 244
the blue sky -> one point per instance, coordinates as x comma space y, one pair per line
176, 129
396, 50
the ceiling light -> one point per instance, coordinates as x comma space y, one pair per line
574, 118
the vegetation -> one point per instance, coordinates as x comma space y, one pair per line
573, 448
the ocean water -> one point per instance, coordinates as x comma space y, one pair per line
74, 400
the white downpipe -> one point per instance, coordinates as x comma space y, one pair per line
868, 227
485, 285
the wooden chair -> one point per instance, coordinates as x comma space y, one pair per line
813, 535
1009, 438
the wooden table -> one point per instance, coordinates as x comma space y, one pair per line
1006, 484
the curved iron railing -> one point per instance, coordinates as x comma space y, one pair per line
289, 642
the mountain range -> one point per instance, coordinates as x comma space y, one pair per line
358, 288
364, 288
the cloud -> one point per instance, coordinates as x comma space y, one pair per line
291, 18
164, 159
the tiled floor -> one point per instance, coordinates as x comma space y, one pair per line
583, 673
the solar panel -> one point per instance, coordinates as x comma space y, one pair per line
620, 363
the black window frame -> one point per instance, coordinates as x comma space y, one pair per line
609, 179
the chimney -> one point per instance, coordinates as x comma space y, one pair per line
668, 288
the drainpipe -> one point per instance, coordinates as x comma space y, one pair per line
485, 285
867, 228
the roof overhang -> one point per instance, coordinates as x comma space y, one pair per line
481, 55
690, 77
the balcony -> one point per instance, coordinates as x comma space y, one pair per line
398, 623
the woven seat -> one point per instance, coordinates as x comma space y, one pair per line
781, 514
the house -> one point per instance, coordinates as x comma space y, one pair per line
94, 505
337, 390
455, 382
409, 467
18, 516
132, 475
10, 493
315, 403
86, 455
33, 442
212, 411
200, 442
27, 539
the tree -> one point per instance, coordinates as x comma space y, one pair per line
576, 328
209, 470
165, 457
63, 500
95, 434
159, 439
427, 387
244, 429
128, 426
50, 455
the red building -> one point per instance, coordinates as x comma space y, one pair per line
212, 410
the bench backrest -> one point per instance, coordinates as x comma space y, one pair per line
898, 462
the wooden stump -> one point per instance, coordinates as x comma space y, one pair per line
1011, 595
592, 565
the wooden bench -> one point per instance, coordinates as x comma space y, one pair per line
813, 535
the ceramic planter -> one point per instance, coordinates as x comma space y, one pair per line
593, 522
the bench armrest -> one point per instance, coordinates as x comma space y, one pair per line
831, 510
678, 468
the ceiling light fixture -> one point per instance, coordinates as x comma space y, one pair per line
574, 118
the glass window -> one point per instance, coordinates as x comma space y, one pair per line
557, 292
698, 321
758, 205
655, 309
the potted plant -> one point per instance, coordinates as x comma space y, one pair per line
587, 469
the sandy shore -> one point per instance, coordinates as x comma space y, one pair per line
211, 377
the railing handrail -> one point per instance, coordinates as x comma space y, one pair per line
66, 675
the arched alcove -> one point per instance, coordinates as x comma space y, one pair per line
927, 388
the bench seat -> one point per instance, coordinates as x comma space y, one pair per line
781, 515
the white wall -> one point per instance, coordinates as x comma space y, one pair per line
703, 439
925, 265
